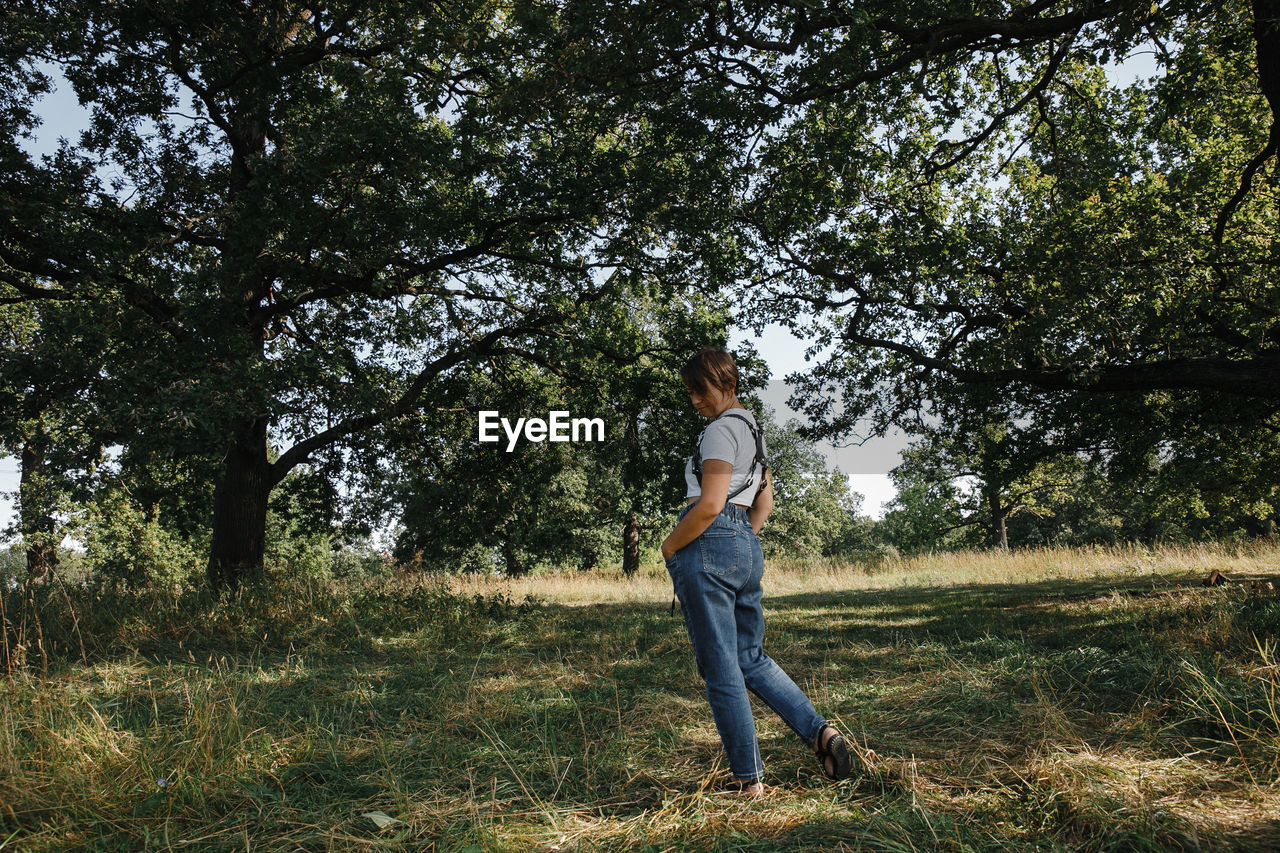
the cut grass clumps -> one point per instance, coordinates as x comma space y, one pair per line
1097, 700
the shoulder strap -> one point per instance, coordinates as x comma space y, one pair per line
758, 459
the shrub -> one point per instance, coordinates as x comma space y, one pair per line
124, 544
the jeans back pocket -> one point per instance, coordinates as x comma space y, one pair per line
723, 549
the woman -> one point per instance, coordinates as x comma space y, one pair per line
716, 564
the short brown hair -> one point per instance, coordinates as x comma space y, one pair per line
710, 367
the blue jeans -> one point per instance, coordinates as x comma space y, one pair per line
717, 579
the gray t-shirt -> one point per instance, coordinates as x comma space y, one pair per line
729, 439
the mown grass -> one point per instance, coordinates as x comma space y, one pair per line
1054, 700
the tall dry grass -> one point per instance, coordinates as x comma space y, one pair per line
1105, 564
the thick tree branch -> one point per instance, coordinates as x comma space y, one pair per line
1256, 377
1266, 33
407, 401
30, 291
964, 34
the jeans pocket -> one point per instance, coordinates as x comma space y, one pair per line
721, 550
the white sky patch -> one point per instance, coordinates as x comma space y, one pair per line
8, 486
877, 490
62, 117
868, 464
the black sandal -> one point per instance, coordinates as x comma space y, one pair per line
835, 749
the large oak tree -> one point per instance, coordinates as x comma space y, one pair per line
322, 209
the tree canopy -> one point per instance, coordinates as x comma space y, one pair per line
979, 194
987, 202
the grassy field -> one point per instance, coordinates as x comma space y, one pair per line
1051, 700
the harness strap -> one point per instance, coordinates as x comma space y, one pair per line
759, 458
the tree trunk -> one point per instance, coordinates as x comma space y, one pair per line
630, 545
631, 477
240, 499
999, 528
240, 510
1262, 528
514, 568
35, 509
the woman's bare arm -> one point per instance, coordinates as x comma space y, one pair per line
716, 474
763, 505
